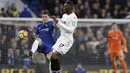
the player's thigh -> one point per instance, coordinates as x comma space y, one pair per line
62, 45
56, 45
44, 48
120, 54
113, 56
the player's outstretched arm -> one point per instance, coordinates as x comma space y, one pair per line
67, 28
54, 19
31, 30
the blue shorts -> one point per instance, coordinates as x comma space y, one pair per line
45, 48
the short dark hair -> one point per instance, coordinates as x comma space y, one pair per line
113, 23
46, 12
70, 3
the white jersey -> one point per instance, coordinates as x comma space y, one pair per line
67, 25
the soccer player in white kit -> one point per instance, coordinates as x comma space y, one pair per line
67, 25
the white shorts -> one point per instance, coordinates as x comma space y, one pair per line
62, 45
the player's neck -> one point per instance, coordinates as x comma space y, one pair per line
69, 12
115, 30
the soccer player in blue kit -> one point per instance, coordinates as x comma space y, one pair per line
44, 40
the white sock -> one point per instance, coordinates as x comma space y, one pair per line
50, 67
35, 46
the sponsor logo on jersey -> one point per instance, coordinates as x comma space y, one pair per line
115, 38
45, 29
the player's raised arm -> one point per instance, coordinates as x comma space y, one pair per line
54, 19
31, 30
65, 27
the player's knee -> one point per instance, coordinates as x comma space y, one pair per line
55, 65
121, 58
112, 59
55, 55
39, 40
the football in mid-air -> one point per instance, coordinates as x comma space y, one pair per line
23, 34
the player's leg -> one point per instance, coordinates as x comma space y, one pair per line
113, 61
54, 65
55, 55
122, 60
61, 47
124, 65
35, 45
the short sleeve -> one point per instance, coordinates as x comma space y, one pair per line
63, 19
51, 25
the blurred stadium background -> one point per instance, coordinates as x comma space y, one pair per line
89, 51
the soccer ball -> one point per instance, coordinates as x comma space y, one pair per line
23, 34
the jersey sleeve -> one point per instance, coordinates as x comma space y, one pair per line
64, 18
51, 25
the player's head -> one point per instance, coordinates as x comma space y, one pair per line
114, 26
68, 7
45, 16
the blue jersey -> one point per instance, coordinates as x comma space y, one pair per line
45, 32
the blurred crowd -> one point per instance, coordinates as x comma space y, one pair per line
13, 51
94, 8
12, 11
83, 8
90, 45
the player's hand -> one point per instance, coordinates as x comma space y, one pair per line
30, 28
125, 51
53, 17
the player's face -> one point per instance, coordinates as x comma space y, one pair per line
45, 17
114, 27
65, 9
